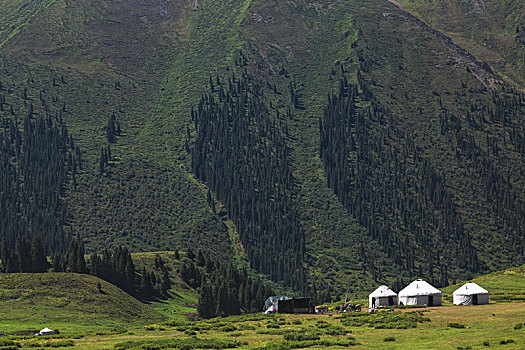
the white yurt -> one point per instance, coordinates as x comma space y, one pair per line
46, 331
382, 296
470, 294
420, 292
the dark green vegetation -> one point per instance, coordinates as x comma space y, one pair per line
224, 290
354, 141
240, 152
183, 124
37, 158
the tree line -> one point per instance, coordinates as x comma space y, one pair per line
378, 173
489, 141
240, 153
116, 267
223, 288
38, 158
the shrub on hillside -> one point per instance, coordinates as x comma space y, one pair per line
335, 330
301, 337
228, 328
188, 343
7, 342
455, 325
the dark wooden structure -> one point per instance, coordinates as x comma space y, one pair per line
296, 306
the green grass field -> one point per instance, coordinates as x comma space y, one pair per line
89, 319
489, 324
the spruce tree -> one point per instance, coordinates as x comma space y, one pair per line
23, 251
166, 283
206, 307
38, 258
4, 255
81, 262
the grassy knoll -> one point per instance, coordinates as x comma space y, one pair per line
68, 302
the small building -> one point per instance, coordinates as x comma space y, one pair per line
382, 296
271, 304
296, 306
420, 292
46, 331
470, 294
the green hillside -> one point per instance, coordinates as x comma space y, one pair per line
329, 146
68, 302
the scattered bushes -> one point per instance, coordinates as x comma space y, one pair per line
321, 324
384, 319
50, 344
301, 337
188, 343
506, 341
7, 342
285, 345
335, 330
486, 343
228, 328
389, 339
280, 331
518, 326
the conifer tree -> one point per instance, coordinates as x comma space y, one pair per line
38, 258
206, 305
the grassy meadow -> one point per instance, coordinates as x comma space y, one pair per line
446, 327
89, 319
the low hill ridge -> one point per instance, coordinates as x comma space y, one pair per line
34, 301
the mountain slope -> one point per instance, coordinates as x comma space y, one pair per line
491, 30
434, 190
102, 59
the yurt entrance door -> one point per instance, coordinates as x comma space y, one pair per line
430, 300
475, 299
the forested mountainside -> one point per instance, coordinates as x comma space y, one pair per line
327, 145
